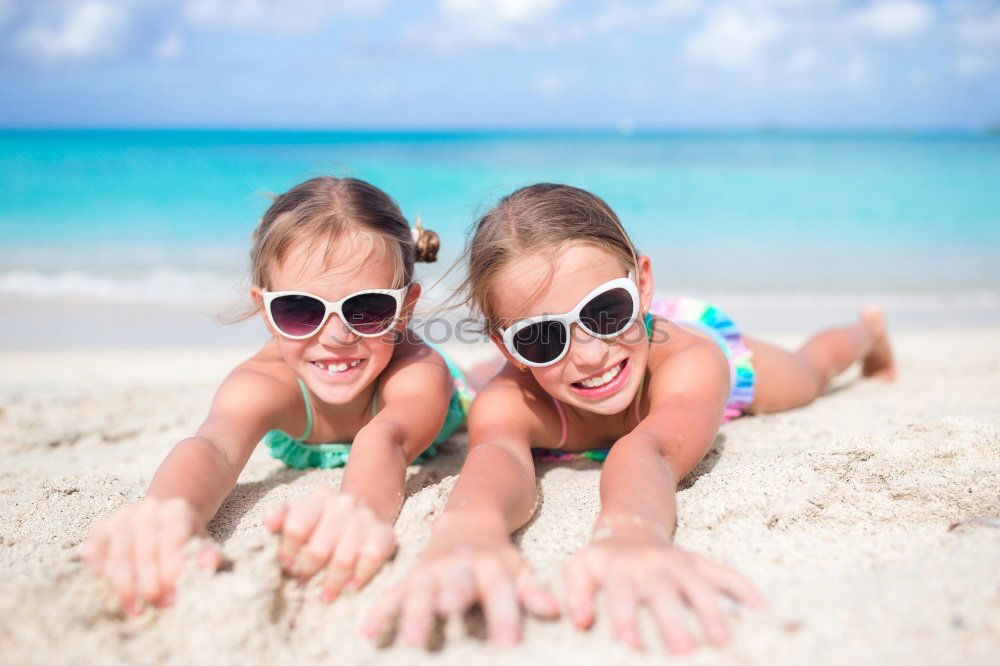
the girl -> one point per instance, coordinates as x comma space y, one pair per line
593, 361
332, 267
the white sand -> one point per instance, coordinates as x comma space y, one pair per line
841, 512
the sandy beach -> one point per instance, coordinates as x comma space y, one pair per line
868, 519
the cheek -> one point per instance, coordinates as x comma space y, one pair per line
292, 350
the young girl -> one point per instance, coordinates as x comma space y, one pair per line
597, 368
332, 267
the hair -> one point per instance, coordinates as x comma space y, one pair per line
539, 218
321, 210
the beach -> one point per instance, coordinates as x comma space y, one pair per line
867, 519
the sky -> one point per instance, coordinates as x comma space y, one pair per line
500, 63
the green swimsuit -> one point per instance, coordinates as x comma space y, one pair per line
298, 453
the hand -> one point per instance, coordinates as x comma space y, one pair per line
140, 550
636, 569
449, 580
330, 529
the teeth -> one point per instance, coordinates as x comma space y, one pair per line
337, 367
601, 380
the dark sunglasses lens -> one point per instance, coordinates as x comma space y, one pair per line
608, 313
542, 342
369, 314
297, 315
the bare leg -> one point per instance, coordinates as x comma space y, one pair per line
791, 379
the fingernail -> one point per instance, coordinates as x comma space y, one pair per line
353, 585
168, 598
328, 596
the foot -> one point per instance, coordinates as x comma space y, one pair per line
879, 363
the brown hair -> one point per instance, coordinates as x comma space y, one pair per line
322, 209
536, 219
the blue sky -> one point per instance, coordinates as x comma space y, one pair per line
500, 63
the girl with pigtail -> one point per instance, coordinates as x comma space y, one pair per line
339, 383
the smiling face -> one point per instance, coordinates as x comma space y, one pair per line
335, 363
596, 375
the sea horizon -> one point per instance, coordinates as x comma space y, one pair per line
119, 217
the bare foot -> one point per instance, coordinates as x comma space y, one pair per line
879, 363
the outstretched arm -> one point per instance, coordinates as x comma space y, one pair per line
470, 557
139, 548
631, 556
349, 532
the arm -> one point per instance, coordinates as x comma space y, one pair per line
470, 557
349, 533
140, 547
632, 556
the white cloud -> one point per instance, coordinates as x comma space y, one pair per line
480, 12
894, 19
88, 30
170, 47
277, 16
975, 31
732, 37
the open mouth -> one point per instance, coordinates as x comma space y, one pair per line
604, 383
337, 368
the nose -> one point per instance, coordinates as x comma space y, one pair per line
335, 333
586, 351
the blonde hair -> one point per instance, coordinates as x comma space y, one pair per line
539, 218
320, 210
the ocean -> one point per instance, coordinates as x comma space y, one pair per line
784, 229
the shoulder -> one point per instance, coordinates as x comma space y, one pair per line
262, 384
415, 369
513, 403
684, 361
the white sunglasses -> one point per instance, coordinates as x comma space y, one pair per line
368, 313
605, 312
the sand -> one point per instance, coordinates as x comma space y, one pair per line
868, 519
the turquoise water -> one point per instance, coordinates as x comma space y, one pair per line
122, 214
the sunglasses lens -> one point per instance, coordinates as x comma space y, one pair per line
297, 315
370, 314
608, 313
542, 342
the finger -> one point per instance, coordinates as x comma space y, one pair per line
418, 613
666, 605
457, 590
581, 587
734, 585
274, 517
535, 597
298, 527
334, 581
384, 610
704, 600
373, 555
145, 553
621, 605
174, 534
209, 558
118, 569
499, 600
346, 554
322, 542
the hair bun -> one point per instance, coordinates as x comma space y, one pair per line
427, 244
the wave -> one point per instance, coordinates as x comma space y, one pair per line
161, 285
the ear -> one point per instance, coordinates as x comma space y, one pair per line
498, 341
410, 301
644, 280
